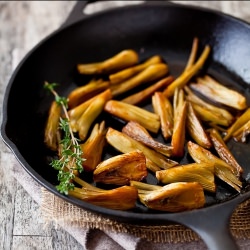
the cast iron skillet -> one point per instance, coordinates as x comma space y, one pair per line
150, 28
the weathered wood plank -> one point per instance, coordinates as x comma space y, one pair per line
7, 202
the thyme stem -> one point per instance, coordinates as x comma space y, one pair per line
71, 159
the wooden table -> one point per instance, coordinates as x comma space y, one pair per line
22, 25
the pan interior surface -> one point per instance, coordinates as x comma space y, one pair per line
158, 29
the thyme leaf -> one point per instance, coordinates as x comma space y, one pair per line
70, 161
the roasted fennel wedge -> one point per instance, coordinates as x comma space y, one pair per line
202, 173
129, 72
93, 147
122, 60
174, 197
163, 107
121, 198
120, 169
140, 134
128, 112
196, 129
179, 132
52, 126
219, 93
224, 152
221, 169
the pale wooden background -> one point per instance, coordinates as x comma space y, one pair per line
22, 25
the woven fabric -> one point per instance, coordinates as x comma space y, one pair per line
57, 210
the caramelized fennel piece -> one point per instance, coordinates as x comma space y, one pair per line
195, 128
75, 113
151, 73
121, 198
163, 107
91, 113
120, 169
193, 53
243, 119
209, 116
241, 134
141, 186
122, 60
85, 92
202, 173
209, 112
131, 71
217, 92
125, 144
128, 112
146, 93
92, 148
52, 125
139, 133
174, 197
187, 74
222, 170
223, 151
180, 113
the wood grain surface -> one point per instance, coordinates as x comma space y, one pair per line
22, 25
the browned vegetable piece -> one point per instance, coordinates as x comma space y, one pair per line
144, 94
92, 148
75, 113
222, 170
151, 73
202, 173
121, 198
196, 129
180, 113
163, 107
120, 169
174, 197
186, 75
91, 113
209, 112
241, 134
131, 71
217, 92
125, 144
52, 125
85, 92
128, 112
139, 133
243, 119
152, 166
209, 116
224, 152
142, 186
122, 60
193, 53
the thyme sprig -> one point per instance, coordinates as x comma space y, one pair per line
70, 161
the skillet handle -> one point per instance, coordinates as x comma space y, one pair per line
213, 225
76, 13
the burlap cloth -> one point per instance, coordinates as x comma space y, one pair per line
58, 210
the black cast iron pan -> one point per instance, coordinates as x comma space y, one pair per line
150, 28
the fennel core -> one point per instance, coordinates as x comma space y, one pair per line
70, 157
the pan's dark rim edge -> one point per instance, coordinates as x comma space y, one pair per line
49, 186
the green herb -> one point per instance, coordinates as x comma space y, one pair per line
70, 152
